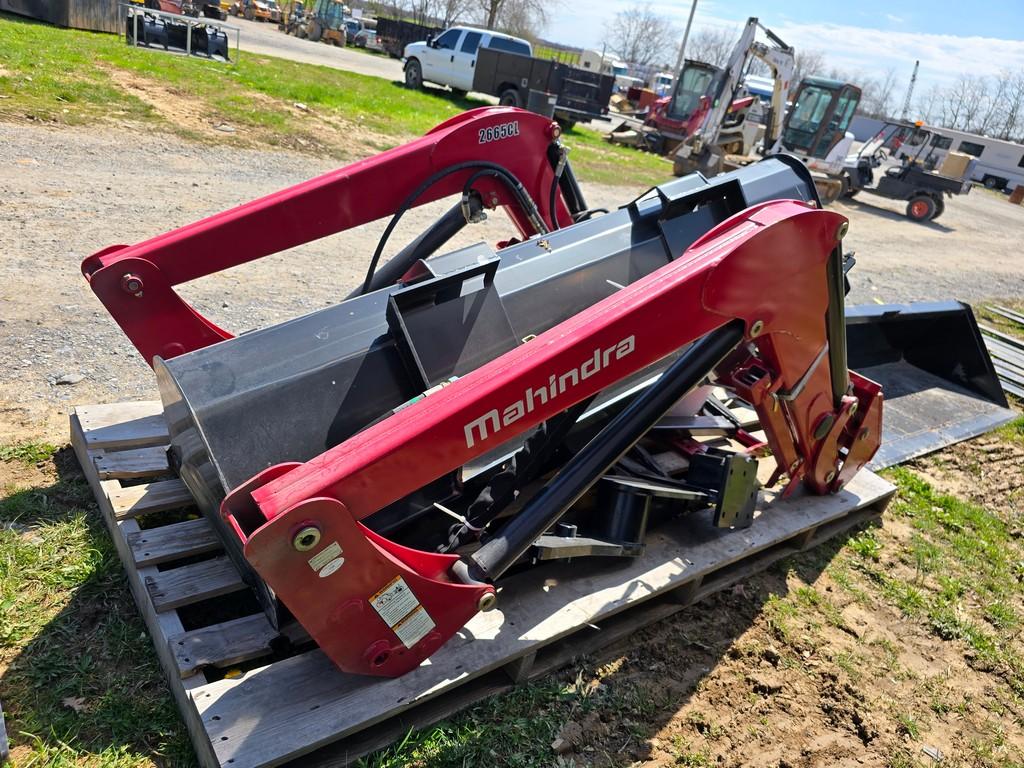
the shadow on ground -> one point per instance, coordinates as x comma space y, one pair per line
862, 203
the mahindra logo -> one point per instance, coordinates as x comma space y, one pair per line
492, 422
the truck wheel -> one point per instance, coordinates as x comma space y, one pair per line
921, 208
413, 74
510, 98
940, 208
314, 32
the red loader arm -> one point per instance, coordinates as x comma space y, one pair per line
379, 608
136, 282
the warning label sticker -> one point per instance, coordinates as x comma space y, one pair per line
395, 601
414, 627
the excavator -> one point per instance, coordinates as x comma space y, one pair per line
376, 467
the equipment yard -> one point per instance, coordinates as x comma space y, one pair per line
856, 630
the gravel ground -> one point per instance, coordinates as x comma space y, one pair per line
70, 192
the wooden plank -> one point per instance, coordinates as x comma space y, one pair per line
138, 500
173, 542
1008, 374
193, 583
996, 348
160, 626
1011, 388
1007, 313
123, 425
222, 644
536, 609
133, 463
1012, 341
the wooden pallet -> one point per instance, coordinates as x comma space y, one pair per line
1006, 351
294, 707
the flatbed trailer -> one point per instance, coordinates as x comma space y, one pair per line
394, 34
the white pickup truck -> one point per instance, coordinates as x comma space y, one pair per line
450, 58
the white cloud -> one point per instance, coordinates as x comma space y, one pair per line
872, 51
851, 48
894, 18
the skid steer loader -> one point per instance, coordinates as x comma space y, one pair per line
376, 467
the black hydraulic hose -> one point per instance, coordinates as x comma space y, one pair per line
517, 188
426, 243
529, 206
586, 467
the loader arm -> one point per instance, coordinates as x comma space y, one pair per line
136, 282
761, 294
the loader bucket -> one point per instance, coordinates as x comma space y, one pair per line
939, 383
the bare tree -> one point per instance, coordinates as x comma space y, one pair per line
639, 36
877, 94
520, 17
711, 45
928, 104
451, 11
1012, 125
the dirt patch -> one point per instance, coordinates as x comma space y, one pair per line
988, 471
174, 106
308, 130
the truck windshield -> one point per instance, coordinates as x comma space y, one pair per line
693, 83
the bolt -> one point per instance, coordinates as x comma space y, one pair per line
756, 328
794, 467
843, 229
131, 283
487, 602
864, 434
307, 538
775, 402
830, 476
853, 408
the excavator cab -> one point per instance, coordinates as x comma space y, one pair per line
694, 82
822, 110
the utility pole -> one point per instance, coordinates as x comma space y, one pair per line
910, 92
682, 46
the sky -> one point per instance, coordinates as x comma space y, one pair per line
863, 36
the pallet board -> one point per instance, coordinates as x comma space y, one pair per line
291, 706
1007, 351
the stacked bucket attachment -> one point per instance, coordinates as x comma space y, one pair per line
375, 467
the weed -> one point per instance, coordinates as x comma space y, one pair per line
866, 545
28, 452
909, 726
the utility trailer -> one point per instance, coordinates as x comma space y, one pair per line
582, 94
394, 34
924, 190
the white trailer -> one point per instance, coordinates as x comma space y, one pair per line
998, 164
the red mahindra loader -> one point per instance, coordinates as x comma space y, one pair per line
377, 466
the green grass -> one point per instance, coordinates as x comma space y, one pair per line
81, 684
71, 77
968, 568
